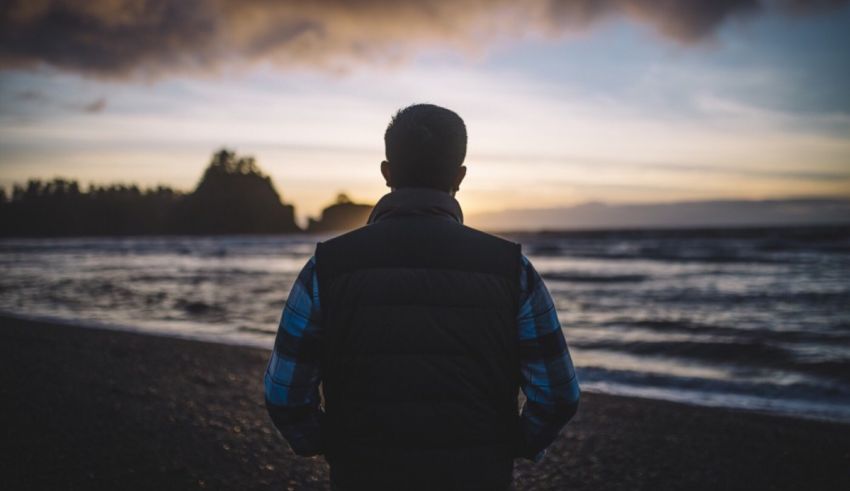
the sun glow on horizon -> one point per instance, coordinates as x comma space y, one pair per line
615, 115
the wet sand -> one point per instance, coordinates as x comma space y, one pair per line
93, 409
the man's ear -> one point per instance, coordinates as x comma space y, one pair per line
385, 171
461, 173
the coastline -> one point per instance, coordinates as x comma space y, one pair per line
92, 408
247, 340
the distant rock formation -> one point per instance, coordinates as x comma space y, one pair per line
340, 216
234, 197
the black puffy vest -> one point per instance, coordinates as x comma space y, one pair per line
420, 370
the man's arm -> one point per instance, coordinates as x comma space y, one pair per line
293, 375
548, 378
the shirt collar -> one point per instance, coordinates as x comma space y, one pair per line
416, 201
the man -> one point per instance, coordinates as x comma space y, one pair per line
421, 332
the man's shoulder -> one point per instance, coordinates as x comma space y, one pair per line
474, 232
423, 242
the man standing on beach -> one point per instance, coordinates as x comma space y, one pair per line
421, 332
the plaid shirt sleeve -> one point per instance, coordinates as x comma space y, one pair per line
293, 374
548, 378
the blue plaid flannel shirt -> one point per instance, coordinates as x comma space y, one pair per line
548, 378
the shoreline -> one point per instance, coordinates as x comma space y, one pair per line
250, 342
580, 231
94, 408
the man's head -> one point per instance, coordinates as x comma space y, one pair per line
425, 148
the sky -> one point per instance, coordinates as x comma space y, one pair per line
565, 102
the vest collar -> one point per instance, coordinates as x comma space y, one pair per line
416, 201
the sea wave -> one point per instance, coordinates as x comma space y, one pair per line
749, 317
595, 278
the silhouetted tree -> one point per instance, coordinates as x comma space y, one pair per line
58, 207
232, 197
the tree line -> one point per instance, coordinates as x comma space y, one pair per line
233, 197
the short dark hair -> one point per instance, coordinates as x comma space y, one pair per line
425, 144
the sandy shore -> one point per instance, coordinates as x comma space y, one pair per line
86, 408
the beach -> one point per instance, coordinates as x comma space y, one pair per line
87, 408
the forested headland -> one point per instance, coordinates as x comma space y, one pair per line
233, 197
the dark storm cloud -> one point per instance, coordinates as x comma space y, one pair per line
682, 20
806, 6
116, 38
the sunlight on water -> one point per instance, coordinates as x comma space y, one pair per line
612, 360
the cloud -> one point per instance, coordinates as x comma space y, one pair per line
41, 99
119, 38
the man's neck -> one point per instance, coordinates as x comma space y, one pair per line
417, 201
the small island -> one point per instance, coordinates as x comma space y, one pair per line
233, 197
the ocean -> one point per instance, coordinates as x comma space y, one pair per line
745, 318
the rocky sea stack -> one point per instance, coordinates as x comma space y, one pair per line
234, 197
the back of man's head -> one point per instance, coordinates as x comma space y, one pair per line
425, 146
